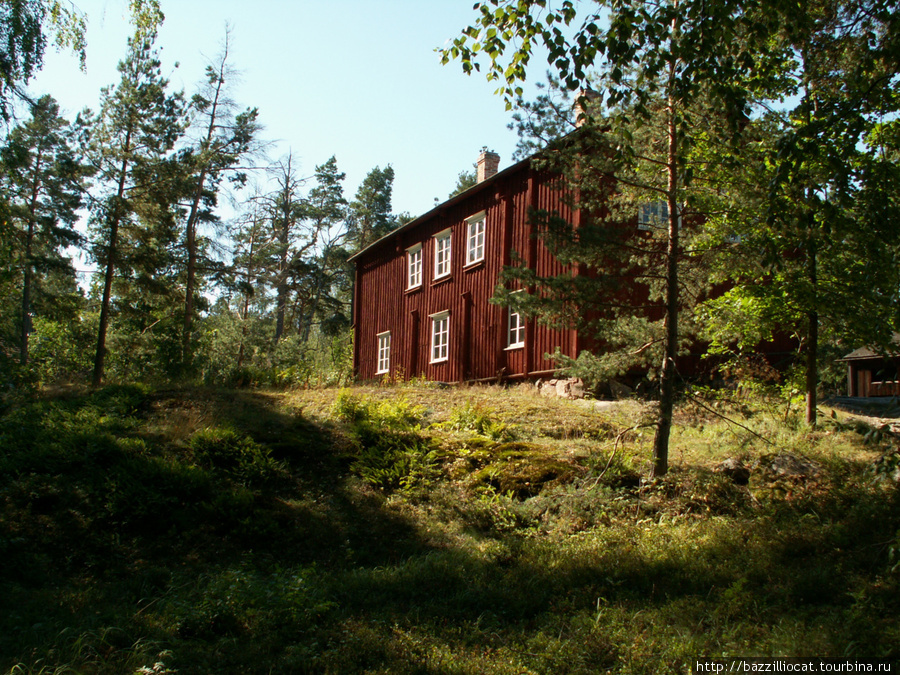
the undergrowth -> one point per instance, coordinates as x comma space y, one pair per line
407, 529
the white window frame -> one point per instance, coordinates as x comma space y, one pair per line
515, 327
515, 330
655, 215
442, 253
384, 353
476, 232
414, 266
440, 337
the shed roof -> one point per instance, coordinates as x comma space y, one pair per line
868, 353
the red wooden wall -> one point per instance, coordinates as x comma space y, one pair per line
478, 329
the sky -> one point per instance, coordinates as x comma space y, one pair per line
356, 79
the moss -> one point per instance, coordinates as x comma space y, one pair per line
524, 469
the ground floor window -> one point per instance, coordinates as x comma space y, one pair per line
516, 330
384, 353
440, 336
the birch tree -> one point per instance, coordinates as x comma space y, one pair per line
654, 60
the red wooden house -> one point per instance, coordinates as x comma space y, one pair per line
421, 293
421, 296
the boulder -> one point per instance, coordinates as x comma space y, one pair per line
786, 465
563, 388
734, 469
619, 390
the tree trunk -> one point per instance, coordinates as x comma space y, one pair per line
100, 356
667, 372
280, 309
187, 355
281, 291
26, 295
812, 339
191, 244
28, 271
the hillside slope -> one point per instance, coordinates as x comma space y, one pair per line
427, 530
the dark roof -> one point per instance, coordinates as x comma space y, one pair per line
869, 353
465, 194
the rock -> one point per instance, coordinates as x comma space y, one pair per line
789, 466
619, 390
576, 390
735, 469
563, 388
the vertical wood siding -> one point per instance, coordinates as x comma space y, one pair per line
478, 329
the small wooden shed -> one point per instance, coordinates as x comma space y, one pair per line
870, 373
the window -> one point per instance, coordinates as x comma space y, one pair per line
384, 353
515, 327
654, 215
515, 335
414, 275
442, 254
475, 239
440, 336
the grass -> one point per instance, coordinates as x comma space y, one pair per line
425, 530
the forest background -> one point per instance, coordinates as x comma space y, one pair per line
322, 108
204, 258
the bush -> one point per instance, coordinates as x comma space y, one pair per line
479, 419
61, 350
240, 457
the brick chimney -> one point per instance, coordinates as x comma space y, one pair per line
583, 99
488, 163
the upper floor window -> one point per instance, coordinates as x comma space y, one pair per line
414, 266
442, 254
654, 215
440, 336
475, 238
384, 353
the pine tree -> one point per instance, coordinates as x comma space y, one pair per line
326, 213
370, 216
45, 182
285, 210
134, 132
226, 136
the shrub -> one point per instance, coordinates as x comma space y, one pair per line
242, 458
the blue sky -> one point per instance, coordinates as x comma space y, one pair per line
352, 78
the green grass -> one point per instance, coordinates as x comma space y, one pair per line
422, 530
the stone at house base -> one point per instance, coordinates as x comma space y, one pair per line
735, 470
572, 388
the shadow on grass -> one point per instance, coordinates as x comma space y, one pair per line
104, 504
121, 546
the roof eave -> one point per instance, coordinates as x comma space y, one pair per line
465, 194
